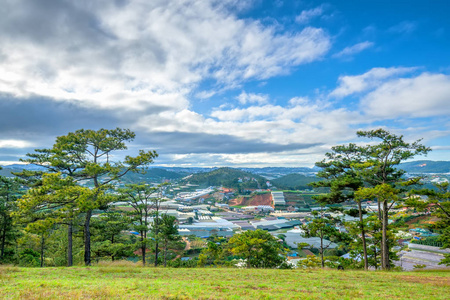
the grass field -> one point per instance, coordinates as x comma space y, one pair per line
123, 281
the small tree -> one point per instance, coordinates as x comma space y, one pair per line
157, 199
9, 192
340, 177
55, 200
141, 198
322, 227
169, 233
259, 248
109, 239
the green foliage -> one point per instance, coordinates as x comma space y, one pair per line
88, 155
259, 248
9, 192
178, 263
370, 172
433, 241
323, 226
228, 177
215, 253
168, 233
28, 258
310, 262
294, 182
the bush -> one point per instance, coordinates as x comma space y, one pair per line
178, 263
429, 241
29, 258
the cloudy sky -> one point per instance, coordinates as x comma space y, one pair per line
225, 82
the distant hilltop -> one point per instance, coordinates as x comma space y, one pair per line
426, 166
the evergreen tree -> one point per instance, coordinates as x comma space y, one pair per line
88, 155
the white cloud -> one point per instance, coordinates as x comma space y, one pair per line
359, 83
142, 53
245, 98
351, 50
422, 96
306, 15
15, 144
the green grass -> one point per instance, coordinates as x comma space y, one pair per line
135, 282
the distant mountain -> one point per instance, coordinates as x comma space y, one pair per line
20, 167
153, 174
294, 182
426, 166
227, 177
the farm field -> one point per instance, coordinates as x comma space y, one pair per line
128, 281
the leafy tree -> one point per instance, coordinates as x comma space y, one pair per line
89, 155
438, 201
259, 248
369, 172
108, 237
9, 192
157, 222
384, 181
339, 175
324, 228
56, 200
215, 251
141, 198
169, 233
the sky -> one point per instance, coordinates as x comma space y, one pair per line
225, 82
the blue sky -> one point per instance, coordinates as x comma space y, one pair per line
225, 82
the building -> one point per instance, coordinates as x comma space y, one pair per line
278, 200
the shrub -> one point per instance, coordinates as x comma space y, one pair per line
29, 258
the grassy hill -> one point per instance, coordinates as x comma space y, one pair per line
135, 282
294, 182
227, 177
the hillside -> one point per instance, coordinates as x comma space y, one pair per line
135, 282
153, 174
253, 200
294, 182
227, 177
426, 166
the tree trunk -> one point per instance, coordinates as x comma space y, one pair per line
375, 256
321, 250
143, 248
87, 239
3, 242
42, 250
363, 236
156, 253
384, 244
69, 245
156, 235
380, 217
165, 254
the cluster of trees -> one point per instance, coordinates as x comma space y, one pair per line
257, 249
370, 173
39, 205
294, 182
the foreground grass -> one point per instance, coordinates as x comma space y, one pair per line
133, 282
